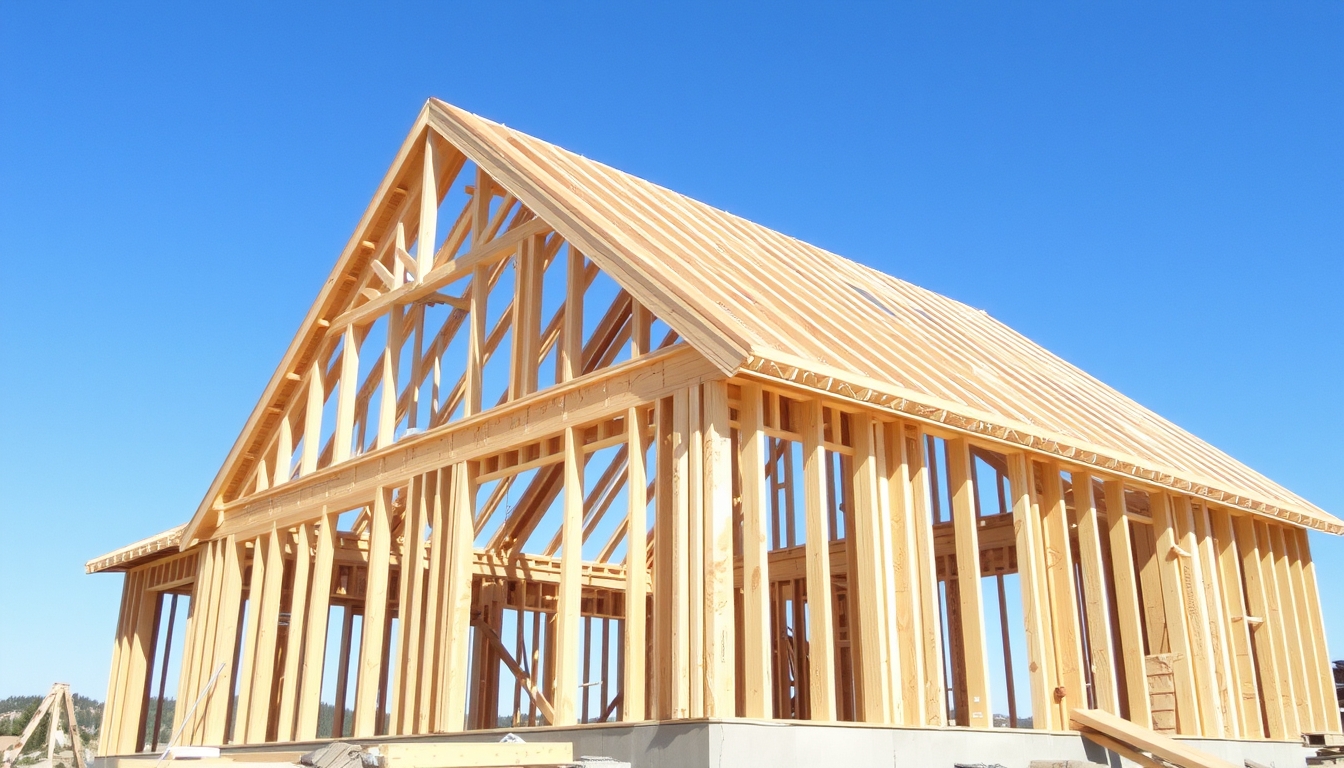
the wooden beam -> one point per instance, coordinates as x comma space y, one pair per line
1063, 594
719, 612
570, 354
756, 637
263, 670
1312, 595
1095, 602
457, 600
1142, 738
228, 603
1197, 618
427, 239
345, 397
567, 610
1267, 656
678, 492
1225, 674
375, 616
1236, 628
1035, 593
1322, 697
975, 661
408, 675
1189, 720
1127, 616
821, 643
876, 651
247, 666
319, 607
1288, 625
926, 590
636, 571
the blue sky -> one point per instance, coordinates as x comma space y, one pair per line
1154, 193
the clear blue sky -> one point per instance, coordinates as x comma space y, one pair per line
1154, 193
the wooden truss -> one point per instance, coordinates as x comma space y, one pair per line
50, 709
509, 475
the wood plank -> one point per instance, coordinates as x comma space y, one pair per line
1290, 631
636, 571
247, 667
563, 698
391, 380
1095, 603
934, 702
717, 508
1127, 616
695, 554
1312, 596
975, 659
375, 616
756, 638
427, 240
315, 648
1063, 594
229, 604
410, 606
1320, 689
1225, 675
477, 755
678, 512
348, 385
1257, 604
821, 643
1142, 738
1202, 650
440, 507
570, 355
1035, 594
263, 670
1235, 626
875, 647
1188, 717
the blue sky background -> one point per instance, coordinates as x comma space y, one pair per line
1154, 193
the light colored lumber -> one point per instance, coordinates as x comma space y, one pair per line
1312, 595
1236, 628
228, 602
1267, 654
821, 643
315, 641
567, 610
637, 579
247, 668
1225, 674
345, 396
1095, 602
427, 239
1127, 616
720, 619
1202, 650
1147, 740
1174, 605
921, 525
375, 616
1035, 592
1289, 627
264, 667
875, 648
975, 661
1063, 595
756, 638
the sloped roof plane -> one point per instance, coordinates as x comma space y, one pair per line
751, 299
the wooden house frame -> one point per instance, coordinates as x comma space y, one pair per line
555, 445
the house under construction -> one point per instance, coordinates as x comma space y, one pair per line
556, 446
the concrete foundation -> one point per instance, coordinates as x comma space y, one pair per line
790, 744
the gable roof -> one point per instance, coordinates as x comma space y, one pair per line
750, 298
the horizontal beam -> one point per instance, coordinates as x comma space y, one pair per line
592, 397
